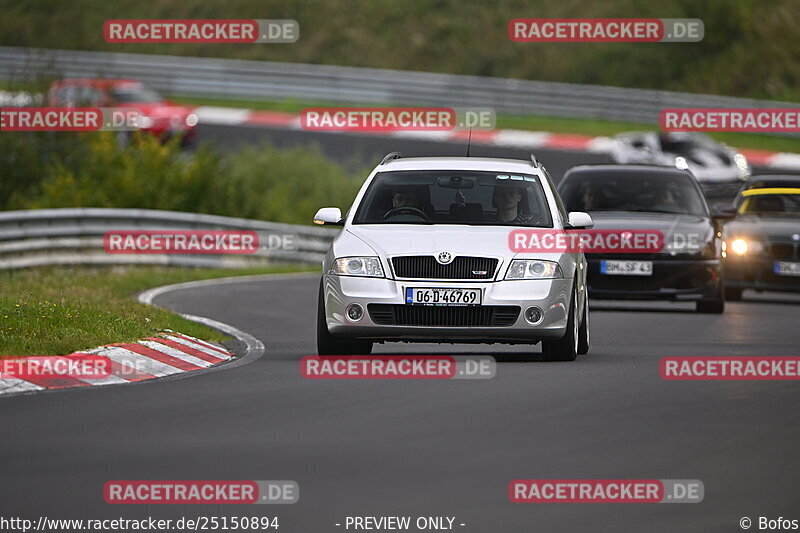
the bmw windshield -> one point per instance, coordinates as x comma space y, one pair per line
633, 191
455, 197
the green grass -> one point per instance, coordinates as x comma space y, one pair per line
60, 310
749, 48
594, 127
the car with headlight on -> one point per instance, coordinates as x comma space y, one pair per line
642, 197
424, 256
717, 167
763, 241
158, 116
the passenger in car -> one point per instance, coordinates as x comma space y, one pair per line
507, 201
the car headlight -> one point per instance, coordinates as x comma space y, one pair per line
533, 269
743, 246
358, 266
191, 120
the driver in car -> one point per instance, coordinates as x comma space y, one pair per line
666, 201
404, 198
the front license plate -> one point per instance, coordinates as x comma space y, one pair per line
626, 268
782, 268
443, 296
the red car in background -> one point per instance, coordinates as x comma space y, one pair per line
160, 117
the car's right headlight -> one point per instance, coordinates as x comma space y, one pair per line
357, 266
742, 246
533, 269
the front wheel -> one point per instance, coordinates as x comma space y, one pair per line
565, 348
715, 305
583, 332
327, 344
733, 294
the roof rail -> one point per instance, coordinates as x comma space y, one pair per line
535, 161
391, 156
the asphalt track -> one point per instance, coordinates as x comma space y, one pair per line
438, 448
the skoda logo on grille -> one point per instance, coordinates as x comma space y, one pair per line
444, 258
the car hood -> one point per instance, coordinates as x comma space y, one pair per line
670, 225
764, 227
405, 239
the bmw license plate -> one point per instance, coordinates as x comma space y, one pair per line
415, 296
626, 268
783, 268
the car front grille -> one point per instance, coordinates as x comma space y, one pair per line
786, 251
427, 267
464, 316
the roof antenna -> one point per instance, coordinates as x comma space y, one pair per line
469, 141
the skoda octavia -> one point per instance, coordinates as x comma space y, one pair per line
424, 256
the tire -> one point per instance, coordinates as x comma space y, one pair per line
327, 344
583, 332
714, 305
733, 294
565, 348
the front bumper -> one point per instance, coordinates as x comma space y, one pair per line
678, 280
552, 296
758, 273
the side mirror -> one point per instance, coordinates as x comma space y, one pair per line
723, 211
580, 220
329, 216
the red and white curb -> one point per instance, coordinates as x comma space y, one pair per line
165, 354
523, 139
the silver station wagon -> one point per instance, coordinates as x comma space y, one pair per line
424, 255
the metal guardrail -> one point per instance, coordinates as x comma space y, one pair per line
241, 79
74, 236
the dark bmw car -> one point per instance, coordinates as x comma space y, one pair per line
764, 240
634, 197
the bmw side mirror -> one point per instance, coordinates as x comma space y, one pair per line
580, 220
723, 211
331, 216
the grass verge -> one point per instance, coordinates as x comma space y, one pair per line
60, 310
593, 127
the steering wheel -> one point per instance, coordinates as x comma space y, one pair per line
406, 210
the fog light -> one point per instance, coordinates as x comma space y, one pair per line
355, 312
533, 315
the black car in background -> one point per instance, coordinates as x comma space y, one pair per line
763, 242
639, 197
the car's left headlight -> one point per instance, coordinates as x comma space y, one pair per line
533, 269
358, 266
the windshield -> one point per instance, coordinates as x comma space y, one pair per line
136, 94
629, 191
768, 202
455, 197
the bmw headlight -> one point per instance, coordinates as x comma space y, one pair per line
533, 269
358, 266
742, 246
